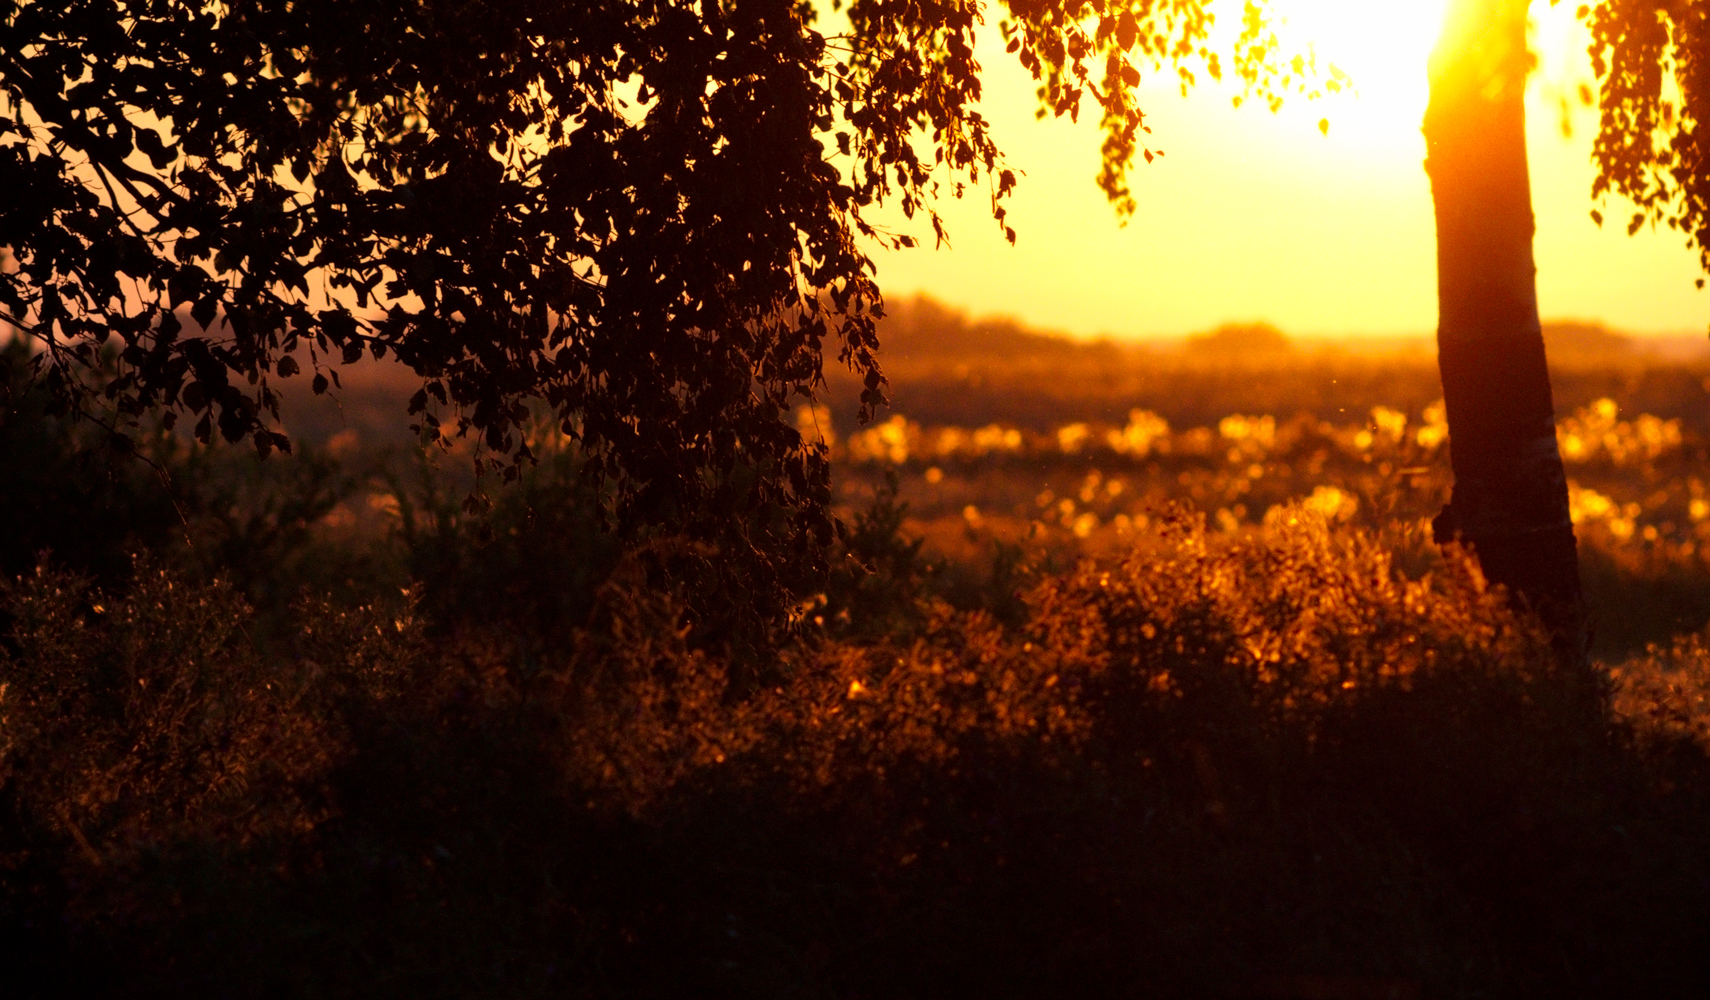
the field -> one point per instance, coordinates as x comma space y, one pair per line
1136, 674
1070, 450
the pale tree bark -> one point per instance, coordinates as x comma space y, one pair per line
1510, 503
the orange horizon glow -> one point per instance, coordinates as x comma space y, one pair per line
1255, 216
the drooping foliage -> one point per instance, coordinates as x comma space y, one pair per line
1654, 83
644, 213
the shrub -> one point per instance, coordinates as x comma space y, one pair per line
156, 768
1212, 765
66, 490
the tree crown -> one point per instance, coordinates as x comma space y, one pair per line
644, 213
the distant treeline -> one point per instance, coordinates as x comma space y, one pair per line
948, 369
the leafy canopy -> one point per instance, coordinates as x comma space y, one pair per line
643, 213
1653, 66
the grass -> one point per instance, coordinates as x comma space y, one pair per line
1071, 716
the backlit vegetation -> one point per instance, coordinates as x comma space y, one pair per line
1122, 701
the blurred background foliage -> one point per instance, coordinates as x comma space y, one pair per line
1131, 702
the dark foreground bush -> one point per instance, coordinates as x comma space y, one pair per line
1270, 766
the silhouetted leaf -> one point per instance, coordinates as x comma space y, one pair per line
464, 187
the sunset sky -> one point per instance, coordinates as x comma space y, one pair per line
1251, 215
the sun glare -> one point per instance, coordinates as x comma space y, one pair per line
1382, 46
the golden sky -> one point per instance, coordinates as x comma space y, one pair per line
1251, 215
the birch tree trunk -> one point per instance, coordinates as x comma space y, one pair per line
1510, 503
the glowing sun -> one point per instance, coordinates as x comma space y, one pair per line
1382, 44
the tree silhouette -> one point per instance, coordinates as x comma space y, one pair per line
643, 213
1510, 502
